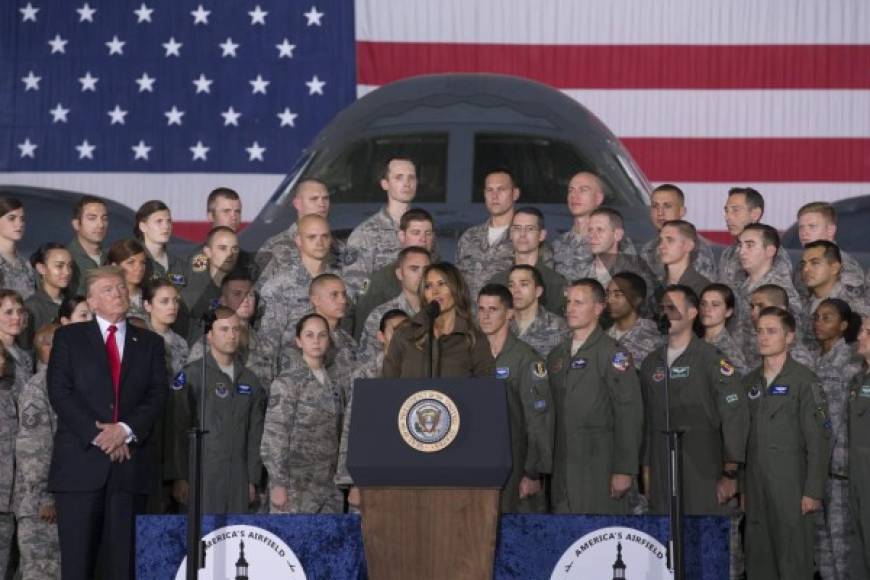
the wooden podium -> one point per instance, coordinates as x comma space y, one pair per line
427, 514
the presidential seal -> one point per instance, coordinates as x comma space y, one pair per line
428, 421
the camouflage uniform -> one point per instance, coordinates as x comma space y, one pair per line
787, 458
23, 362
530, 408
369, 368
810, 303
279, 251
572, 256
478, 260
640, 340
835, 369
702, 260
18, 275
859, 468
743, 311
301, 439
625, 262
851, 279
235, 410
137, 308
368, 341
37, 540
727, 343
82, 263
599, 416
732, 274
8, 431
546, 331
553, 298
375, 241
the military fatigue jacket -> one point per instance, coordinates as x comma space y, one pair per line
640, 340
8, 433
532, 420
743, 312
478, 260
810, 303
790, 431
859, 462
545, 332
599, 417
18, 275
727, 343
835, 369
553, 298
82, 263
301, 439
37, 423
572, 256
376, 241
235, 410
368, 341
381, 286
732, 274
702, 259
851, 279
708, 405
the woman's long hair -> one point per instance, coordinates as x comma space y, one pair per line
459, 291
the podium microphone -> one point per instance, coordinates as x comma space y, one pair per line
433, 309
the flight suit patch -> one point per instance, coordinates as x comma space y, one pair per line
732, 398
621, 361
680, 372
178, 279
865, 391
200, 263
221, 391
579, 363
557, 365
659, 374
541, 405
274, 400
778, 390
539, 370
502, 372
244, 389
179, 381
726, 368
755, 392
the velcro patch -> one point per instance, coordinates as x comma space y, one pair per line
178, 279
541, 405
244, 389
579, 363
539, 369
659, 374
865, 391
726, 368
732, 398
680, 372
778, 390
621, 361
502, 372
179, 381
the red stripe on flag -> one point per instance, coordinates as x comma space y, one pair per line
746, 160
627, 66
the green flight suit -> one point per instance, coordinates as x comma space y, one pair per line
787, 458
859, 467
531, 422
553, 298
381, 286
708, 406
599, 418
235, 412
82, 263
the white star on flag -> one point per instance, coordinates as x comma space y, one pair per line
173, 116
141, 150
31, 81
86, 150
259, 85
86, 13
287, 117
255, 152
231, 117
258, 15
58, 44
313, 17
89, 83
200, 15
117, 115
199, 151
172, 47
116, 46
143, 14
28, 149
58, 114
285, 49
315, 86
146, 83
28, 13
229, 47
203, 85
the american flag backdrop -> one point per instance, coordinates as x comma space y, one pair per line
160, 98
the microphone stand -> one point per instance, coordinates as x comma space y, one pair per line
433, 309
195, 436
675, 471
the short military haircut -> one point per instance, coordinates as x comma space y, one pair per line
753, 198
217, 230
785, 317
832, 251
633, 285
505, 171
236, 275
385, 168
94, 274
415, 214
410, 250
823, 208
594, 286
724, 291
774, 293
390, 315
529, 210
499, 291
298, 187
536, 275
220, 193
671, 187
222, 312
687, 229
615, 218
309, 218
320, 280
769, 235
79, 207
688, 294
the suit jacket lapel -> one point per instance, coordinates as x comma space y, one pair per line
99, 346
131, 344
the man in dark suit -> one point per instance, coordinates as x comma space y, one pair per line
107, 383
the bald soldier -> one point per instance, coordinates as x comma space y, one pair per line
599, 412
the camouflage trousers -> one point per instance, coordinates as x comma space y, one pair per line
833, 529
7, 536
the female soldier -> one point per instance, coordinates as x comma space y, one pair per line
54, 264
717, 310
303, 427
16, 273
130, 256
73, 309
460, 349
12, 320
859, 451
835, 327
154, 229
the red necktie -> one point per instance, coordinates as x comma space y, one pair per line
114, 367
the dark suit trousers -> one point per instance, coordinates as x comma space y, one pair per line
85, 519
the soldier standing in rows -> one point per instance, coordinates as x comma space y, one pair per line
220, 256
859, 451
626, 294
817, 220
678, 242
538, 327
529, 403
16, 273
54, 264
599, 411
787, 457
716, 316
90, 222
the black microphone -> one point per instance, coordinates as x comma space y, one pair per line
433, 309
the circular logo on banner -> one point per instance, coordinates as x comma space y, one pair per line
429, 421
246, 552
614, 553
